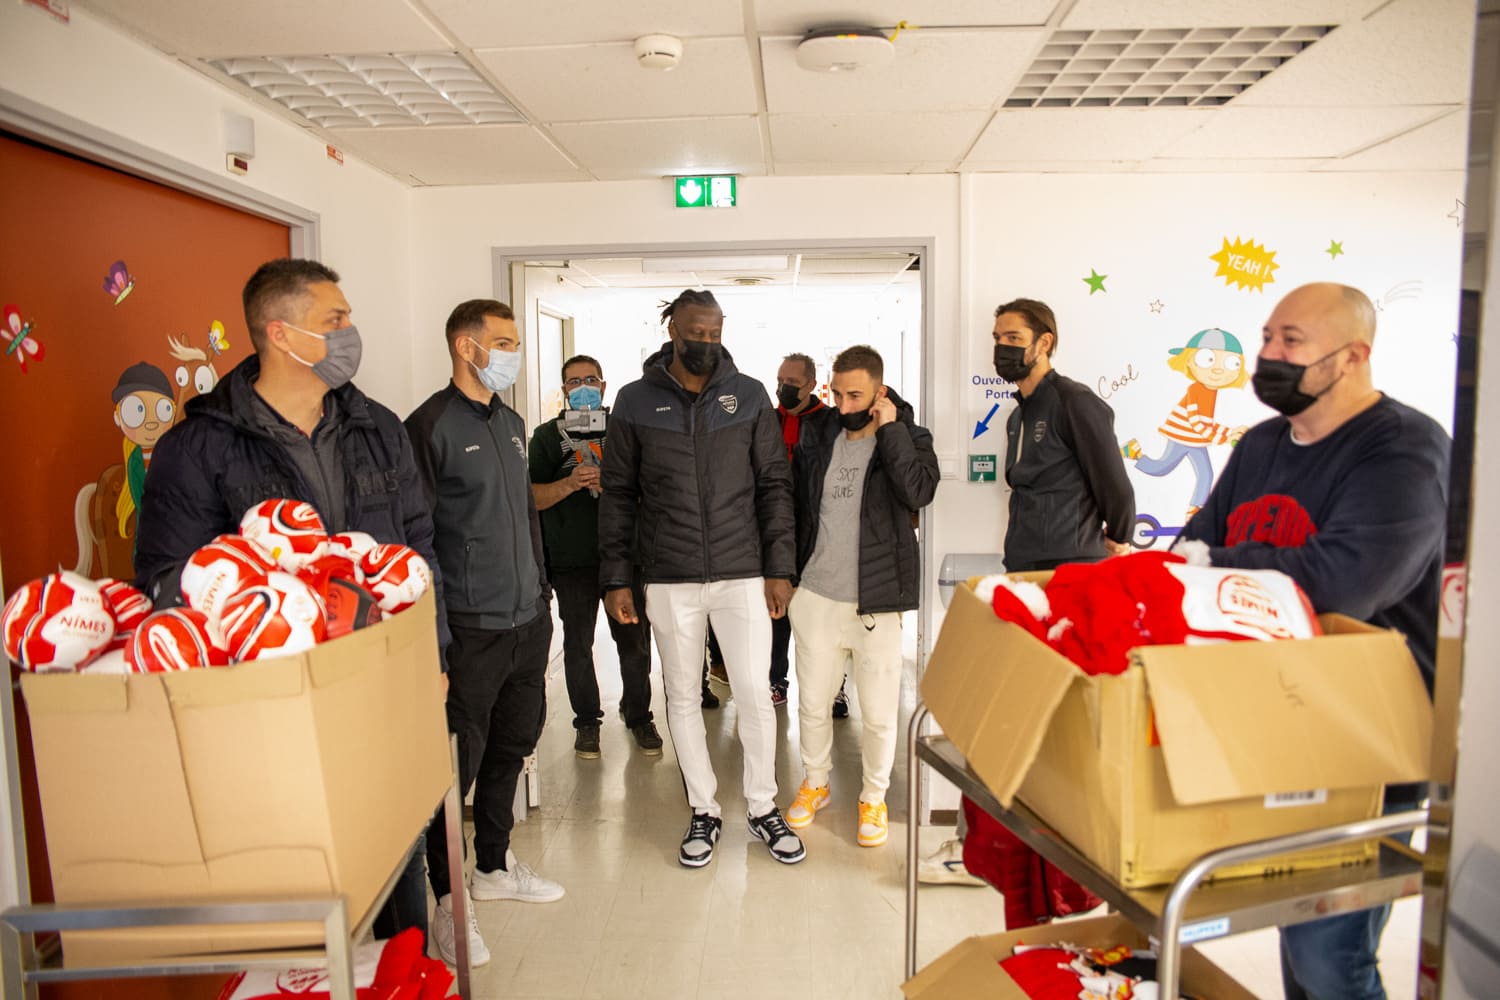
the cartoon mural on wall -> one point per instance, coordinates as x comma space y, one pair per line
1212, 360
19, 341
145, 408
197, 375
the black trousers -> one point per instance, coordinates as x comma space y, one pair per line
497, 703
781, 641
578, 600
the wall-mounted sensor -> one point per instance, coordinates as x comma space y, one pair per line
661, 52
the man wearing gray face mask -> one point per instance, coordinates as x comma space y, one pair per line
287, 422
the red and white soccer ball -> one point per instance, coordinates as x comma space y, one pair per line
396, 575
56, 623
289, 530
173, 639
112, 661
221, 569
129, 606
280, 617
351, 545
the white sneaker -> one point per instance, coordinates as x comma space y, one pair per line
516, 881
441, 936
945, 866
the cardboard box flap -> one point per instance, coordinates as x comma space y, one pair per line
1245, 719
74, 694
395, 636
1023, 683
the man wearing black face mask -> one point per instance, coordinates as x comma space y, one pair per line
1070, 499
288, 422
1345, 492
697, 490
796, 403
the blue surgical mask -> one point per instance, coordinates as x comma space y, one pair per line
341, 360
501, 370
585, 397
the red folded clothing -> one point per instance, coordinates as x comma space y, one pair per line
1034, 890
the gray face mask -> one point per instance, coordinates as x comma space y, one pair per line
339, 364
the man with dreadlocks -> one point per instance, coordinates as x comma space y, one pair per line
697, 491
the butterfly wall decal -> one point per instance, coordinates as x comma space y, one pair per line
118, 282
19, 341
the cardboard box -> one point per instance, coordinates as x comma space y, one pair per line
971, 969
1256, 739
300, 777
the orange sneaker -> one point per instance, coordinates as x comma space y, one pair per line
805, 806
874, 824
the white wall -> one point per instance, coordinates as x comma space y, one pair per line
90, 71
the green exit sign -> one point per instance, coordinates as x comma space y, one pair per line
705, 192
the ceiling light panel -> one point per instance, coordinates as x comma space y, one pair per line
374, 91
1156, 67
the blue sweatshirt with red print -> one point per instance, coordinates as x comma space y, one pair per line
1357, 519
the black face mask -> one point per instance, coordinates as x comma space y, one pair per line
855, 421
789, 396
1276, 383
699, 357
1011, 363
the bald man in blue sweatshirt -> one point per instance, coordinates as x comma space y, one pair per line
1346, 493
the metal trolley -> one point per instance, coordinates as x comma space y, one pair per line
1189, 910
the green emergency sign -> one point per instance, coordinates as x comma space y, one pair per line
705, 191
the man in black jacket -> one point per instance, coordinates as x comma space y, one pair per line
861, 473
1070, 500
696, 473
287, 422
471, 453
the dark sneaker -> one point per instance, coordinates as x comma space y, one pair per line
841, 705
785, 845
778, 696
710, 700
648, 739
586, 743
698, 846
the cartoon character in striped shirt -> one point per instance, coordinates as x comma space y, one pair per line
1212, 360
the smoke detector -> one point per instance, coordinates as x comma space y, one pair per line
750, 280
844, 50
661, 52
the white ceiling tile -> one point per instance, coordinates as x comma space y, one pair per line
1438, 145
656, 148
972, 166
1084, 133
1097, 14
932, 71
1280, 133
483, 24
792, 17
275, 27
588, 83
1234, 166
898, 138
1411, 52
496, 154
843, 168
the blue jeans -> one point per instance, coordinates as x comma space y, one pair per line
1334, 958
1203, 470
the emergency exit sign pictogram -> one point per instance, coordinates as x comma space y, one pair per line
706, 191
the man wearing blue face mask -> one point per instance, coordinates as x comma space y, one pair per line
288, 422
471, 453
565, 455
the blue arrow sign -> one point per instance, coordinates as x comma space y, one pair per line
984, 424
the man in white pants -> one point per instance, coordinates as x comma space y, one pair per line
863, 470
697, 492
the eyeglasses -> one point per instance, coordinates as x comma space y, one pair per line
574, 383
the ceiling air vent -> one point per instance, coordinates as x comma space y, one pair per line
365, 91
1156, 67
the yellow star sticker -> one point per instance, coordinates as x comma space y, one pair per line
1095, 281
1334, 249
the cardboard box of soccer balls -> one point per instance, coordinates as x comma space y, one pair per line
1193, 747
971, 969
299, 777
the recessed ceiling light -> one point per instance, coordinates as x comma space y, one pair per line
371, 91
1157, 67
